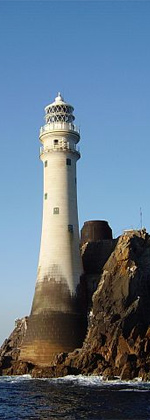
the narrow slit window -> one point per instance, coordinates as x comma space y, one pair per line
45, 163
70, 228
45, 196
55, 142
56, 210
68, 162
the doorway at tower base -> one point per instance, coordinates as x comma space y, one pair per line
49, 334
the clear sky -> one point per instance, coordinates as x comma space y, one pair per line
97, 53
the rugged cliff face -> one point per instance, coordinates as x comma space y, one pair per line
10, 351
118, 337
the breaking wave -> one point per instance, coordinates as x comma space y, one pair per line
73, 398
84, 381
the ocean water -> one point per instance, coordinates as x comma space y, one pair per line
73, 398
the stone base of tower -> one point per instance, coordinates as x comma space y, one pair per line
50, 334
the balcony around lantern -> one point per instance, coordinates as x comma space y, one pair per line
57, 126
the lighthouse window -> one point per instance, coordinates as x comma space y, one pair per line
56, 210
45, 163
55, 141
45, 196
70, 228
68, 162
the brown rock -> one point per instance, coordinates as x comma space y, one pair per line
10, 350
126, 372
119, 326
118, 337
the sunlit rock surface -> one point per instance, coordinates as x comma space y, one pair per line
10, 350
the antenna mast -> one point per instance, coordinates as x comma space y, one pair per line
141, 218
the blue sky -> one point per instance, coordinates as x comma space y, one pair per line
97, 53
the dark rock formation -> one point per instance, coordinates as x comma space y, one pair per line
118, 337
10, 350
94, 257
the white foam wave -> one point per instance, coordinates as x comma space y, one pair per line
16, 378
99, 381
80, 379
87, 381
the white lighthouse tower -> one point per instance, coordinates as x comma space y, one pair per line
55, 323
59, 254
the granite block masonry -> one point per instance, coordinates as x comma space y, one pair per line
56, 323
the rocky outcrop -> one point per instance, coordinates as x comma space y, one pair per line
94, 256
10, 351
118, 336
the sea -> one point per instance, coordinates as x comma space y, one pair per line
73, 398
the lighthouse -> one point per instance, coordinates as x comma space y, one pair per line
55, 323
